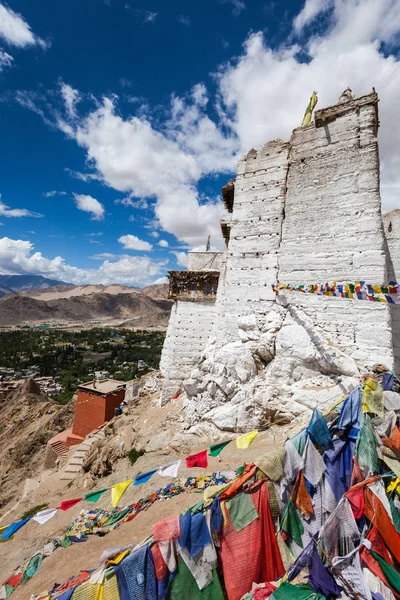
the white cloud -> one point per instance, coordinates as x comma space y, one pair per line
94, 234
154, 234
15, 30
54, 193
310, 10
237, 6
150, 16
131, 242
163, 243
6, 60
71, 98
184, 20
181, 258
17, 257
6, 211
161, 280
90, 205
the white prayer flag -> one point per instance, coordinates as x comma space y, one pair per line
170, 470
44, 515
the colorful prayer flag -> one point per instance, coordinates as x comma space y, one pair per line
118, 490
216, 449
11, 529
66, 504
170, 470
245, 440
94, 496
197, 460
44, 515
144, 477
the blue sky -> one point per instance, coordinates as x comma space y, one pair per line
121, 120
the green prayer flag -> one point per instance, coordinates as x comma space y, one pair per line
65, 542
391, 574
216, 449
292, 525
94, 496
241, 511
240, 470
9, 590
33, 567
395, 513
288, 591
117, 516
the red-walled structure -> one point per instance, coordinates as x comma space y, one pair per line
95, 405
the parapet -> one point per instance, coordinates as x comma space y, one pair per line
204, 261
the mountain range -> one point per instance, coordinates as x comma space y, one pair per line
9, 284
56, 302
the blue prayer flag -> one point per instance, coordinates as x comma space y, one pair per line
144, 477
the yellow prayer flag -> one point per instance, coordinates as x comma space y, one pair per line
118, 490
309, 110
245, 440
393, 485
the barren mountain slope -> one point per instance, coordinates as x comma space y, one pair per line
21, 309
23, 440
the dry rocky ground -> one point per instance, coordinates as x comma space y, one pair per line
145, 426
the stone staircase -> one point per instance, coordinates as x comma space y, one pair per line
78, 455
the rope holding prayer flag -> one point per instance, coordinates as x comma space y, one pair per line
245, 440
309, 110
118, 490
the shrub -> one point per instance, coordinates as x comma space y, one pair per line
35, 509
134, 454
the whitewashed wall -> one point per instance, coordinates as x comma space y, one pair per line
189, 329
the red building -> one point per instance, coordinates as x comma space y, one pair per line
95, 405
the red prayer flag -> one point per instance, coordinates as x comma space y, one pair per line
66, 504
197, 460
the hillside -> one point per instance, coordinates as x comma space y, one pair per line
69, 308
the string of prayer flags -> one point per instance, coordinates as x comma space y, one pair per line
67, 504
144, 477
170, 470
11, 529
118, 490
245, 440
216, 449
44, 515
197, 460
360, 290
94, 496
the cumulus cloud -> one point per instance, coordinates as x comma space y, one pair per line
90, 205
161, 280
17, 257
15, 30
6, 211
131, 242
181, 258
261, 95
163, 243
